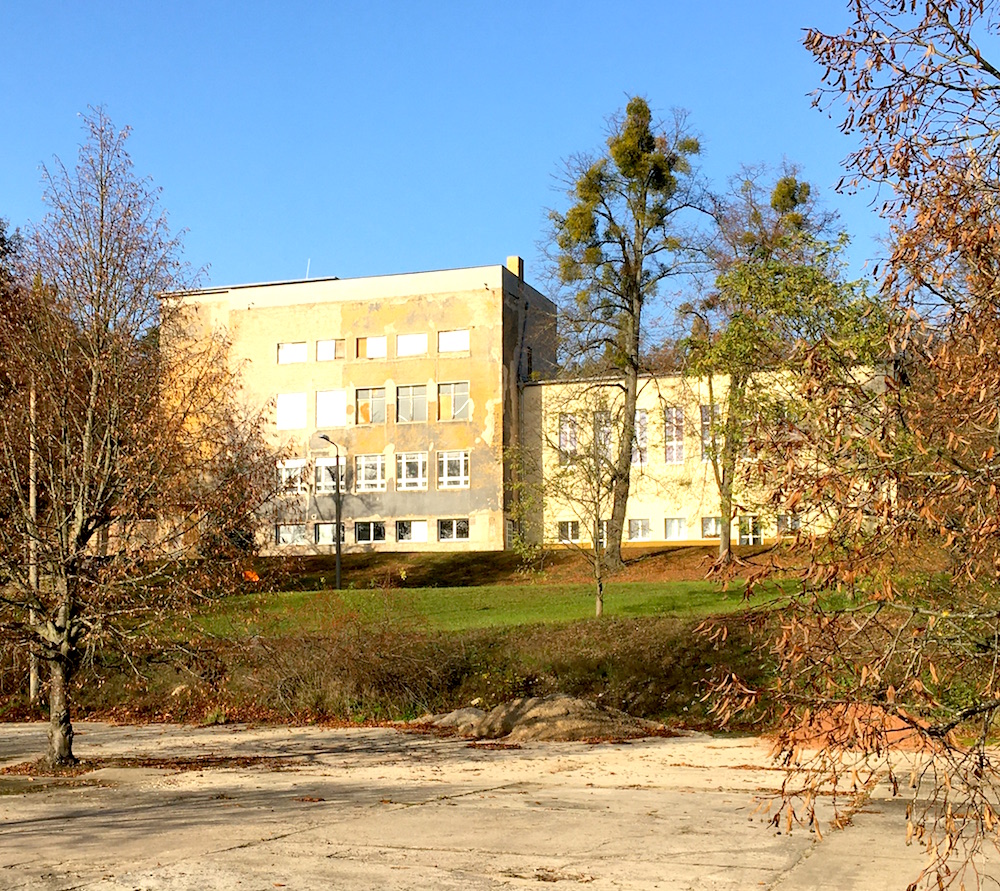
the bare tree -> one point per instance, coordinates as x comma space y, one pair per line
121, 440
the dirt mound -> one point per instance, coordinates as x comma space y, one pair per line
557, 717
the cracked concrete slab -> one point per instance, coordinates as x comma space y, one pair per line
386, 810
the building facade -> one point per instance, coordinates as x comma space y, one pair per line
403, 390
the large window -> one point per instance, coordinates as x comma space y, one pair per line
673, 434
602, 435
411, 345
290, 534
289, 353
369, 473
638, 530
710, 415
453, 341
453, 402
411, 403
750, 530
640, 441
567, 438
411, 530
331, 408
290, 411
371, 347
292, 476
675, 529
324, 533
328, 350
411, 470
711, 527
369, 531
328, 474
453, 470
569, 530
453, 530
371, 405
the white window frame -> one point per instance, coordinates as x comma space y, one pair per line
788, 524
321, 537
324, 475
369, 473
711, 527
375, 397
568, 438
371, 529
602, 533
417, 531
675, 529
411, 345
455, 341
448, 480
673, 434
408, 394
287, 534
415, 461
640, 438
603, 433
448, 530
569, 531
374, 347
454, 391
292, 477
639, 530
290, 411
750, 531
293, 352
331, 408
328, 350
710, 416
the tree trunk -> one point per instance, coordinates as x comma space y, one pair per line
726, 530
599, 581
60, 728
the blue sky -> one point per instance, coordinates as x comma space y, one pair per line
376, 138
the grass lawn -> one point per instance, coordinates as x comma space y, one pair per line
464, 608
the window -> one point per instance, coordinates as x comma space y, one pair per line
567, 438
640, 452
292, 476
369, 473
328, 474
411, 530
602, 434
602, 533
675, 529
750, 530
638, 530
789, 523
371, 405
453, 402
411, 345
290, 534
323, 533
328, 350
331, 408
709, 422
673, 434
369, 531
289, 353
411, 403
371, 347
453, 530
453, 470
411, 470
453, 341
290, 411
711, 527
569, 530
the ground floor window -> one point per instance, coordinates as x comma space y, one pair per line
453, 530
411, 530
290, 534
324, 533
569, 530
638, 530
602, 533
750, 531
675, 528
711, 527
788, 524
369, 531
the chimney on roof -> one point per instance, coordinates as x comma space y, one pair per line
516, 265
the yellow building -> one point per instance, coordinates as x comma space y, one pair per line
409, 381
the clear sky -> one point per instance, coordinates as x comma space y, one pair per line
382, 137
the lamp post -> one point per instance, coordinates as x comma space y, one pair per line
337, 501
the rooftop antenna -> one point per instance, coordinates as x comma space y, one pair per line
308, 261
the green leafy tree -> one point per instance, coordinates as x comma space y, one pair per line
627, 231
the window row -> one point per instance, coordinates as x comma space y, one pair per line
370, 406
293, 352
675, 529
370, 473
673, 435
371, 531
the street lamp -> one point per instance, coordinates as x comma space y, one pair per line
337, 501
